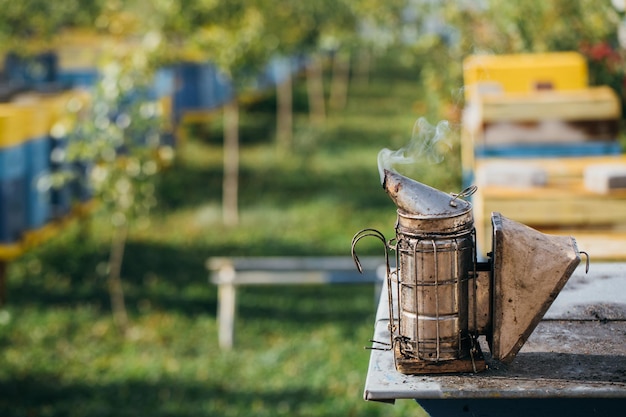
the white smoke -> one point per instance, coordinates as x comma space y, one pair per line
428, 144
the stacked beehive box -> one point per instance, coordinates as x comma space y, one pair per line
32, 128
541, 145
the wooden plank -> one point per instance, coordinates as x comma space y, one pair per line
569, 189
561, 359
550, 132
563, 201
544, 117
601, 243
294, 263
594, 103
261, 277
558, 168
557, 208
604, 178
510, 175
597, 221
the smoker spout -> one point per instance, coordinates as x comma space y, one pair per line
417, 199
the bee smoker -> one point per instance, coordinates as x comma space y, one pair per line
441, 299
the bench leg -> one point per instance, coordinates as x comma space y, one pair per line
226, 299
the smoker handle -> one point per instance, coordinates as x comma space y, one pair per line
375, 233
467, 192
586, 257
361, 234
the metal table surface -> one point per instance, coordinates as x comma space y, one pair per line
574, 361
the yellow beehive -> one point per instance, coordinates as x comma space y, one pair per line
518, 73
36, 119
574, 116
12, 131
561, 204
59, 112
79, 50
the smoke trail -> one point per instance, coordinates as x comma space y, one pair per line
428, 144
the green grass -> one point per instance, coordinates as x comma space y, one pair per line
299, 350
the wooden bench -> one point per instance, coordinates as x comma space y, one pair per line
229, 273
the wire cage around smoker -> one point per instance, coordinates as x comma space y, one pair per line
432, 283
432, 292
433, 320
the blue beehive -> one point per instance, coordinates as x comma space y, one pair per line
78, 54
12, 176
164, 82
37, 162
59, 128
32, 72
187, 95
73, 78
200, 87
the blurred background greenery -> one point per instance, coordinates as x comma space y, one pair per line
299, 350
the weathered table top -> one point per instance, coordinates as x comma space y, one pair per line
577, 351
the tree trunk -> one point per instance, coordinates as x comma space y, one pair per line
230, 210
315, 89
339, 85
116, 291
362, 70
284, 118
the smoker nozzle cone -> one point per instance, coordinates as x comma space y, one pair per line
417, 199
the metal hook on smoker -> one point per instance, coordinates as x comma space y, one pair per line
587, 257
361, 234
375, 233
467, 192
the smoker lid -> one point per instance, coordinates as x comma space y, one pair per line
529, 270
420, 200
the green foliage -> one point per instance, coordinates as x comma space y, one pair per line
37, 20
119, 138
531, 26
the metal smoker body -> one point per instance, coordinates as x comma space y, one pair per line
435, 258
441, 299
